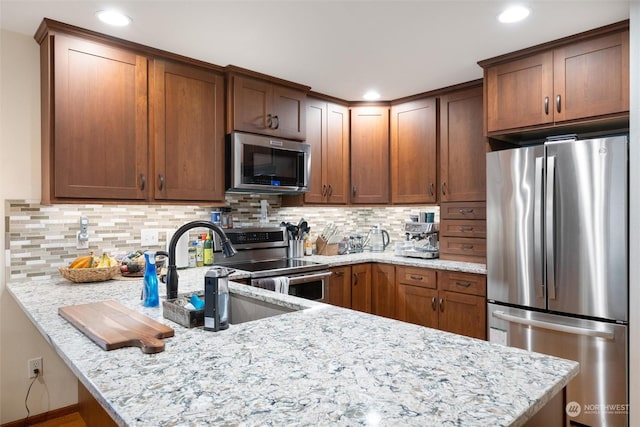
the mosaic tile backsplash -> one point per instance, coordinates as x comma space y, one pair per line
42, 238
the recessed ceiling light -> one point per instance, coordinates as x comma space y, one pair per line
513, 14
114, 18
371, 95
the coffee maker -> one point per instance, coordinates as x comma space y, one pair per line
424, 236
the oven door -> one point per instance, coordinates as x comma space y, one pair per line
313, 286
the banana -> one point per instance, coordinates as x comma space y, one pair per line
105, 261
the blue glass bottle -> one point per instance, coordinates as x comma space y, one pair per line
150, 289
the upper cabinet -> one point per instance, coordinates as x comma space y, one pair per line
580, 78
94, 120
259, 105
462, 147
413, 152
121, 123
369, 154
188, 123
328, 135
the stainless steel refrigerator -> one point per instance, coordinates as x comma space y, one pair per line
557, 264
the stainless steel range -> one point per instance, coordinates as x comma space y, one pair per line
263, 251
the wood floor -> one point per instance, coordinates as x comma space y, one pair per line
71, 420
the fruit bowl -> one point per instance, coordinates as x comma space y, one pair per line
87, 275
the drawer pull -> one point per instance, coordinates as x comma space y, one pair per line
339, 273
464, 229
441, 304
466, 211
465, 284
433, 303
414, 277
467, 247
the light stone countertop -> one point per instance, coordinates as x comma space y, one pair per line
322, 365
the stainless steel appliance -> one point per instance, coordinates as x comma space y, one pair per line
260, 164
424, 240
263, 251
557, 279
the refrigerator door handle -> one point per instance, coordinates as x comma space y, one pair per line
498, 314
550, 226
538, 233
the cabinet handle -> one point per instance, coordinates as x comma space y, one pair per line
353, 190
431, 187
355, 279
277, 125
416, 277
160, 182
467, 247
269, 121
546, 105
464, 284
324, 190
464, 229
441, 302
444, 188
143, 181
433, 303
465, 211
339, 273
558, 103
330, 189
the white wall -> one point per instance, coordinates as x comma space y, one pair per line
634, 220
20, 179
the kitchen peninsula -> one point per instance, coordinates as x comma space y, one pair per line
320, 365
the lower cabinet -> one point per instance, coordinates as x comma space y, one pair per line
383, 290
361, 287
340, 287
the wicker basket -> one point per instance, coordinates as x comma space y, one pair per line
87, 275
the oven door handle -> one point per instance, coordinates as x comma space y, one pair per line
304, 278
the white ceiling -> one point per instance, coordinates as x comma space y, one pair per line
339, 48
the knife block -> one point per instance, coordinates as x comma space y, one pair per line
324, 248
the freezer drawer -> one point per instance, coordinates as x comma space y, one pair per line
600, 389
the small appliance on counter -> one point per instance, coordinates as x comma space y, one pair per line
425, 238
377, 240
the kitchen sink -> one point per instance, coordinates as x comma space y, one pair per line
243, 308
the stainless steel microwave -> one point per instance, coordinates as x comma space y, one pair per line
261, 164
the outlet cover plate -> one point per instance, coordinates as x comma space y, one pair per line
149, 237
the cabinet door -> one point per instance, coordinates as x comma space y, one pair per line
413, 151
370, 155
361, 287
316, 137
288, 111
100, 140
592, 77
462, 147
336, 154
462, 314
340, 287
519, 93
417, 304
383, 290
251, 105
189, 133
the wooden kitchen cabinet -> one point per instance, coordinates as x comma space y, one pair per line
462, 147
413, 151
340, 287
361, 287
451, 301
188, 122
94, 119
328, 135
370, 155
579, 78
463, 232
264, 105
383, 290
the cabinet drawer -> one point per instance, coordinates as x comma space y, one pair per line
417, 276
473, 284
463, 210
463, 246
463, 228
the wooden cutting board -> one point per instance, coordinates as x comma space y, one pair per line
112, 325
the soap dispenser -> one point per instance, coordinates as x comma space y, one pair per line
216, 299
150, 287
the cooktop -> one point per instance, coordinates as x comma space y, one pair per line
277, 267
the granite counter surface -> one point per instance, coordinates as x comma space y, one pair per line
321, 365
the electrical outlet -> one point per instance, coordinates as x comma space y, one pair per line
33, 364
148, 237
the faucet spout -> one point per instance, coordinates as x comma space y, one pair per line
172, 272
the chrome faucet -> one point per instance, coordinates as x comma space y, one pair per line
172, 273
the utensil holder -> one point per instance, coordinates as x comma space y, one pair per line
296, 248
